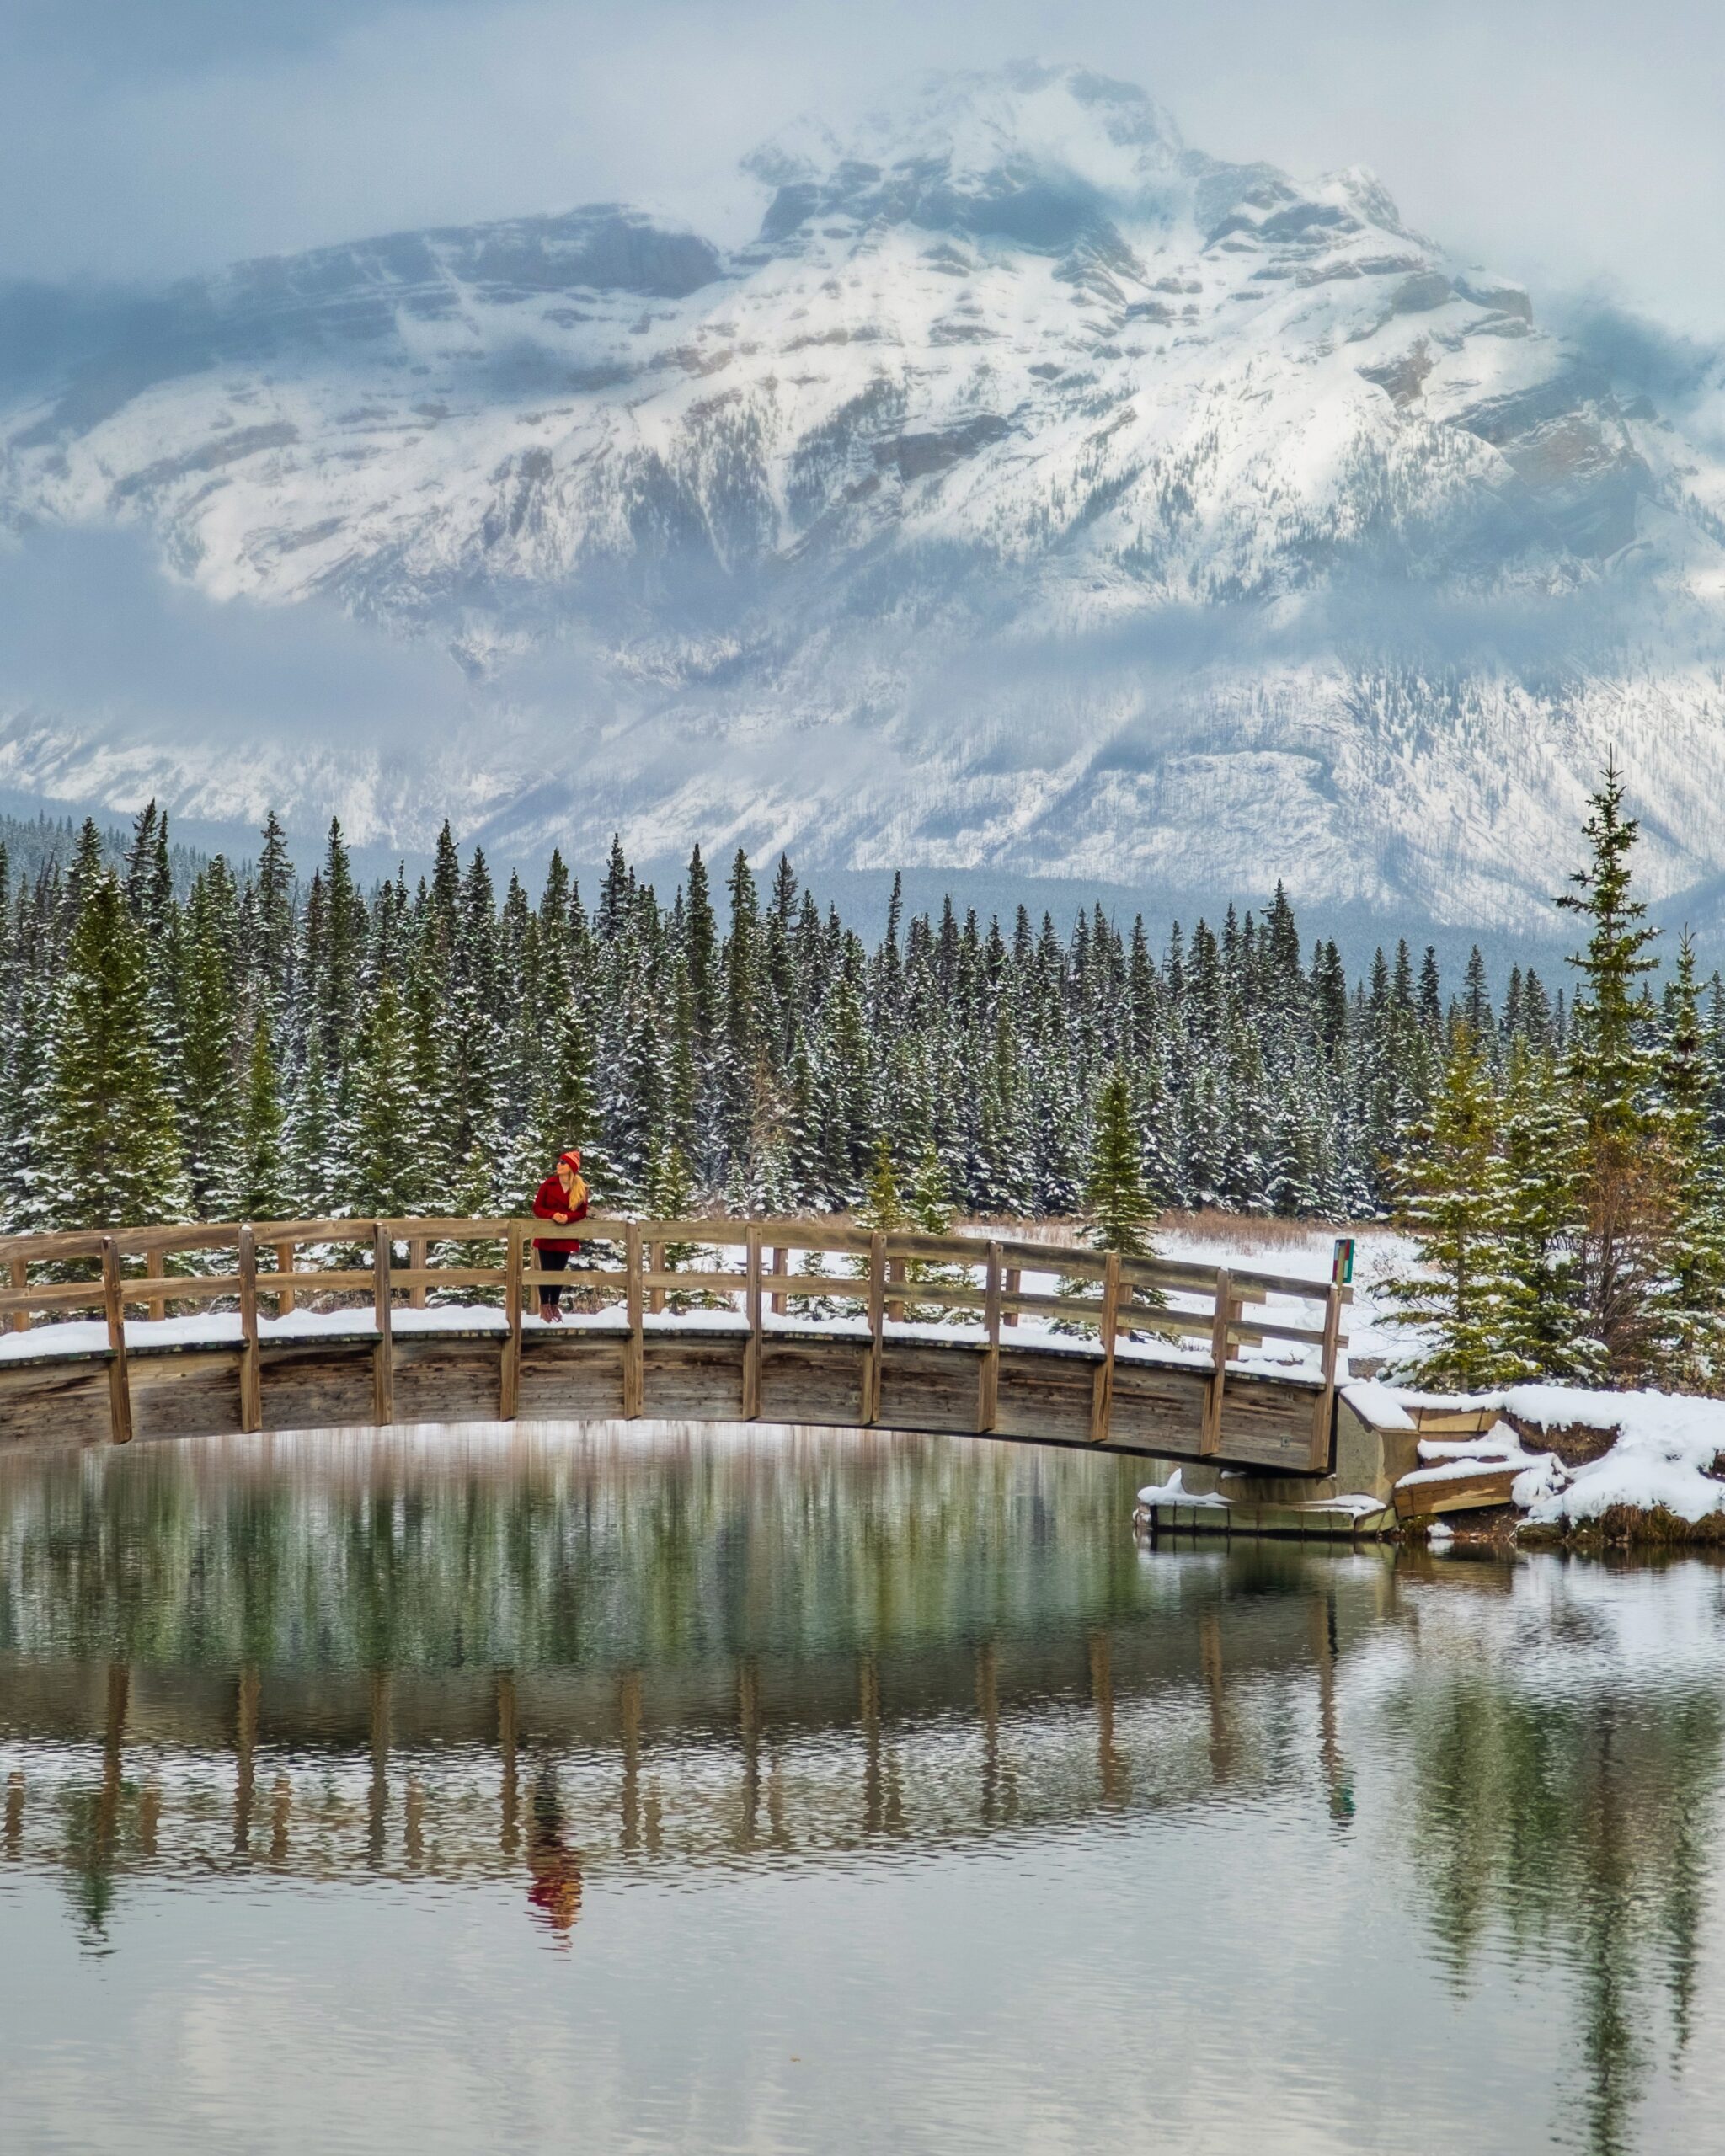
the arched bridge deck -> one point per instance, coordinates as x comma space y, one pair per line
317, 1325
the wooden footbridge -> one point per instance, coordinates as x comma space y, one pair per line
313, 1325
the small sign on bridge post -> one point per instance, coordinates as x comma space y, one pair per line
1342, 1264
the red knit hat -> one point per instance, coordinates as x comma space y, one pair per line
573, 1158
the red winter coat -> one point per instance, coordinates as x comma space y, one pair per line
553, 1199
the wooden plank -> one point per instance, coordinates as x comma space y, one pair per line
1453, 1421
780, 1266
751, 1313
1010, 1287
1211, 1440
988, 1383
1065, 1258
20, 1285
284, 1265
1102, 1387
1456, 1493
535, 1278
445, 1276
43, 1249
720, 1233
877, 1327
717, 1283
634, 1370
383, 1366
419, 1249
203, 1287
153, 1271
251, 1380
509, 1388
947, 1295
1323, 1415
119, 1379
62, 1295
895, 1278
656, 1278
435, 1228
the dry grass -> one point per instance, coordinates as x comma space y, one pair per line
1255, 1231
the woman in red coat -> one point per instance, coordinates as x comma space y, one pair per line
561, 1198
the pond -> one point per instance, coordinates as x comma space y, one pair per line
651, 1791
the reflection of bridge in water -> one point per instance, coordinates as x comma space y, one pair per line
345, 1775
837, 1757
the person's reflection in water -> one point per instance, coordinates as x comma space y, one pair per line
555, 1894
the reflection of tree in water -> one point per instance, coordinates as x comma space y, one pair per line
1574, 1826
554, 1894
329, 1558
93, 1818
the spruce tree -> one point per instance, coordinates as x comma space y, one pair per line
261, 1188
1692, 1315
108, 1145
1118, 1202
382, 1138
1542, 1146
1467, 1302
1629, 1188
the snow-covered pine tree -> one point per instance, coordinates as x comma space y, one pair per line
1114, 1195
106, 1142
1630, 1197
212, 1105
1542, 1144
382, 1138
1454, 1202
1692, 1351
261, 1185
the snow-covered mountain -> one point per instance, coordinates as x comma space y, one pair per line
1035, 493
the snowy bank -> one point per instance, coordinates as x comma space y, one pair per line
1632, 1464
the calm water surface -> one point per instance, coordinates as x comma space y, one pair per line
617, 1791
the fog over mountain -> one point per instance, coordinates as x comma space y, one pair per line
1035, 494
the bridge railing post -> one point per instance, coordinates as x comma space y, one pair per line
284, 1263
20, 1281
1101, 1398
251, 1375
751, 1312
1324, 1411
509, 1387
383, 1368
635, 1347
988, 1385
118, 1378
1211, 1440
877, 1328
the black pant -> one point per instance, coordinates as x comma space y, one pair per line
551, 1260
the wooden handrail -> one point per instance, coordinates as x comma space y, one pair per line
986, 1286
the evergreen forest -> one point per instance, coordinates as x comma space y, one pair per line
184, 1040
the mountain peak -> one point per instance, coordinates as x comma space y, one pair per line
1062, 122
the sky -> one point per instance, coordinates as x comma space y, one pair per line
1574, 144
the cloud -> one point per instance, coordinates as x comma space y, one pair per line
1560, 139
90, 625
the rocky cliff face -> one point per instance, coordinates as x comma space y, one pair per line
1035, 493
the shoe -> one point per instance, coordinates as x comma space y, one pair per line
551, 1316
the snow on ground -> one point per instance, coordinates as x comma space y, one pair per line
1668, 1452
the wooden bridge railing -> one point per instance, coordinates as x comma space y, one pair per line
972, 1275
